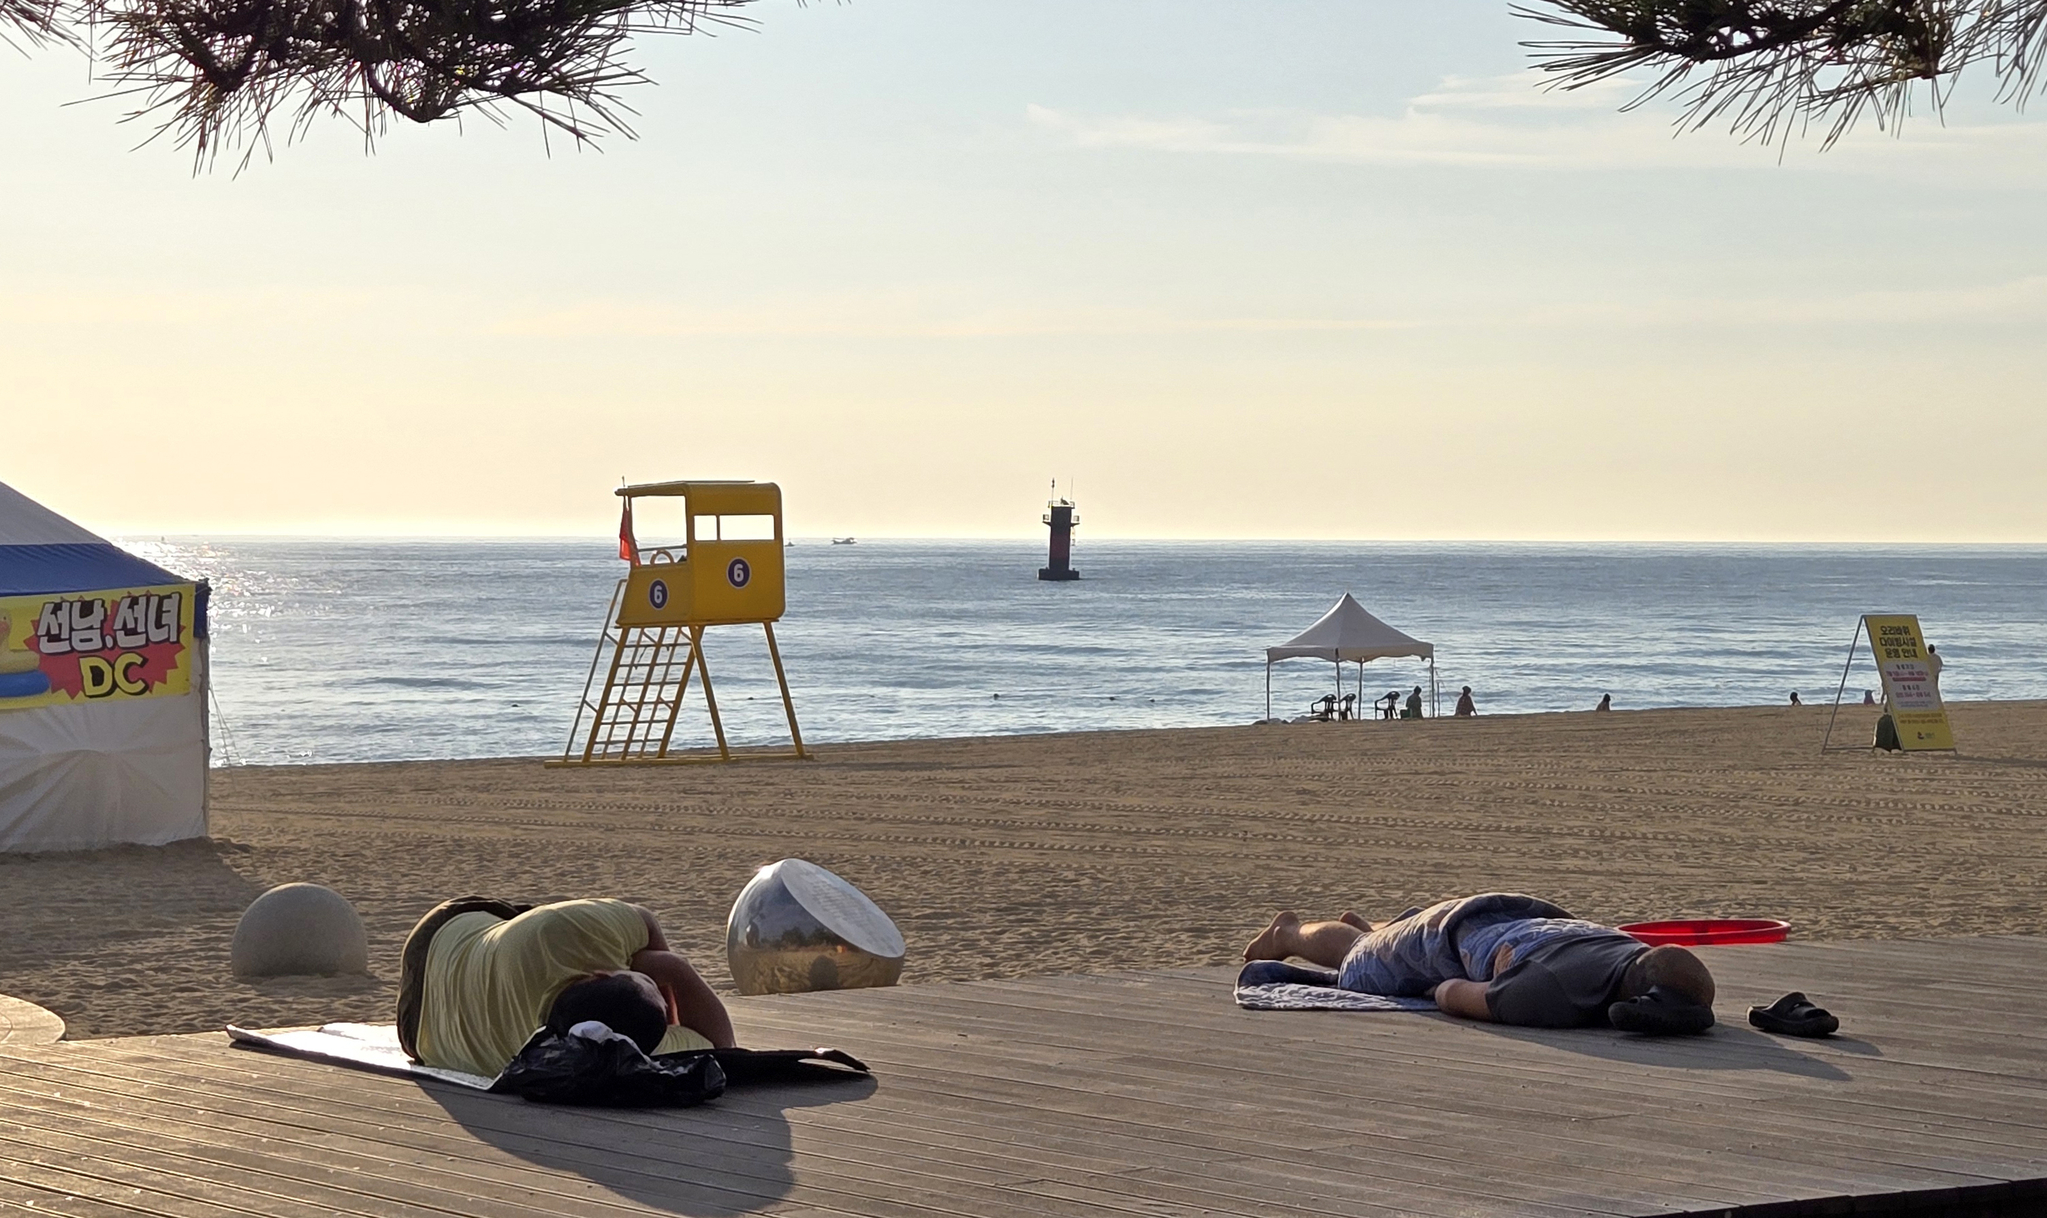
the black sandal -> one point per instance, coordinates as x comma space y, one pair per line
1794, 1015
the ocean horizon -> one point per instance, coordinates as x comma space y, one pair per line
332, 649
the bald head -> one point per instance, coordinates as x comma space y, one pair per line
1674, 969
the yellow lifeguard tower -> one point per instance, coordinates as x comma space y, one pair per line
728, 572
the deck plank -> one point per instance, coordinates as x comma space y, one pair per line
1134, 1096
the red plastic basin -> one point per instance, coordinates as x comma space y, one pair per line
1709, 932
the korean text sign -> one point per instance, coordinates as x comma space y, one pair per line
1910, 681
71, 648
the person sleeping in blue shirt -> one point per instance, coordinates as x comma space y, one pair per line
1503, 958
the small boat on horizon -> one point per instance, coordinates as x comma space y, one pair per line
842, 541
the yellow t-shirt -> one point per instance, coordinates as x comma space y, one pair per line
490, 982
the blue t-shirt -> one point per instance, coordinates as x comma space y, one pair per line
1479, 940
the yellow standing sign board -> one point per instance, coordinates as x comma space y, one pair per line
1910, 681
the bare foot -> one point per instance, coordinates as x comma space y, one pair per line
1278, 940
1350, 918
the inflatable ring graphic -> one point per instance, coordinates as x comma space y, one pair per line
23, 684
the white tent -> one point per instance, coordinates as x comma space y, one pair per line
102, 690
1348, 634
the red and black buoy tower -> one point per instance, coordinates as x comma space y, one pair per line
1063, 516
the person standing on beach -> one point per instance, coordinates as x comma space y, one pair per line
1465, 707
1933, 667
1605, 703
1414, 704
1794, 699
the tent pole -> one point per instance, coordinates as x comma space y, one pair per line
202, 654
1268, 687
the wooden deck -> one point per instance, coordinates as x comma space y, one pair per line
1141, 1095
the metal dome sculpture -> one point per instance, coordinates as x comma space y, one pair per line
797, 927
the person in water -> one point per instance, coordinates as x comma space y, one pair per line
1501, 958
478, 977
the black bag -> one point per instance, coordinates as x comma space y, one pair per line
610, 1071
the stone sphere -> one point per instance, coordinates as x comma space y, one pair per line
296, 929
797, 927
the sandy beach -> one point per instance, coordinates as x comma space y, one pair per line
1089, 853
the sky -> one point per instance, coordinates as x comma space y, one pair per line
1226, 268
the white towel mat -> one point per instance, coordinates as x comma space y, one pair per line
365, 1046
1293, 997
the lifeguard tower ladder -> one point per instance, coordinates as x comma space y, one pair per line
652, 642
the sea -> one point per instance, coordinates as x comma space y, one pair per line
375, 650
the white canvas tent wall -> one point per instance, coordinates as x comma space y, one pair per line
104, 772
1348, 634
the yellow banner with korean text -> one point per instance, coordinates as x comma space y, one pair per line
71, 648
1911, 681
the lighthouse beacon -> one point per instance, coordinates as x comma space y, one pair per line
1063, 517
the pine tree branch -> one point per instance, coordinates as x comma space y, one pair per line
1769, 68
34, 22
223, 74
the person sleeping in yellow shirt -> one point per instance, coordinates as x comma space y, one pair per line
479, 977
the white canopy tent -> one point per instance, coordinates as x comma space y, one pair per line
1348, 634
102, 690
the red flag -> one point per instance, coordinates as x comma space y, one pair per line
628, 549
